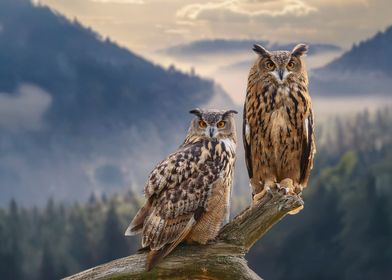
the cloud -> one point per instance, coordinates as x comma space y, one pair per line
248, 9
177, 31
24, 109
139, 2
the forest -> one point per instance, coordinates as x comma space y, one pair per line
344, 231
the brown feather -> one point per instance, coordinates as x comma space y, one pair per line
136, 225
278, 122
184, 186
155, 256
308, 150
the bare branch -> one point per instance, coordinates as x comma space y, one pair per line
250, 225
221, 259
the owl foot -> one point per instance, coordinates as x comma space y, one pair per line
298, 189
286, 186
282, 190
258, 196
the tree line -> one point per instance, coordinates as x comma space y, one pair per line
344, 231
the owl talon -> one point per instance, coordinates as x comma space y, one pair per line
281, 189
257, 197
298, 190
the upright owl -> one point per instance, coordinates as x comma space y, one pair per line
188, 193
278, 129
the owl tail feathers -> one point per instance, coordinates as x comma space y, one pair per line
155, 256
136, 225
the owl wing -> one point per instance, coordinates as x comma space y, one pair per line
246, 136
177, 190
308, 149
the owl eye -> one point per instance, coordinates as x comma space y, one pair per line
202, 124
270, 65
221, 124
290, 65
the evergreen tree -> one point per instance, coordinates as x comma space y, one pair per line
47, 270
79, 243
113, 242
11, 265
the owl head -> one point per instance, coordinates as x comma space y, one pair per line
281, 66
213, 124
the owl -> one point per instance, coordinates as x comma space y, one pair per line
278, 128
188, 193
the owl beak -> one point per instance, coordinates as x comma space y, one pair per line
281, 74
211, 131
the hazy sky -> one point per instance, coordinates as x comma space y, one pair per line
146, 25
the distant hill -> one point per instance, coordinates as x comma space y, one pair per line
365, 69
372, 55
214, 46
78, 113
90, 79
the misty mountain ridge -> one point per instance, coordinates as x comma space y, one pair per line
373, 55
78, 113
227, 46
365, 69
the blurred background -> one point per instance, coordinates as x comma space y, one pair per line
93, 93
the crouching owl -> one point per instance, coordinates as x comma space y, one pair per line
278, 129
188, 193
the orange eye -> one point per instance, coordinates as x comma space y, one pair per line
221, 124
202, 124
270, 65
290, 65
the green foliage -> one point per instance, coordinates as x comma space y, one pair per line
60, 240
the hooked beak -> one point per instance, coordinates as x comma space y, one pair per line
281, 74
211, 131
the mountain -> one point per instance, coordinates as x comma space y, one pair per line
365, 69
80, 114
372, 55
225, 46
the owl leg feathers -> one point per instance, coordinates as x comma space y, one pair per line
267, 185
286, 185
289, 187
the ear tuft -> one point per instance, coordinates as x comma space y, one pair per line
196, 112
229, 112
300, 50
260, 50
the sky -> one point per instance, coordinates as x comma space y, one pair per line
146, 25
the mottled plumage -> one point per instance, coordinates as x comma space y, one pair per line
188, 192
278, 126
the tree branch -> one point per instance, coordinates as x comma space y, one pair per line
220, 259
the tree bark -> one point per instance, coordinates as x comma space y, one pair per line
222, 258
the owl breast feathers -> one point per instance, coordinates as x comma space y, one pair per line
278, 127
188, 192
